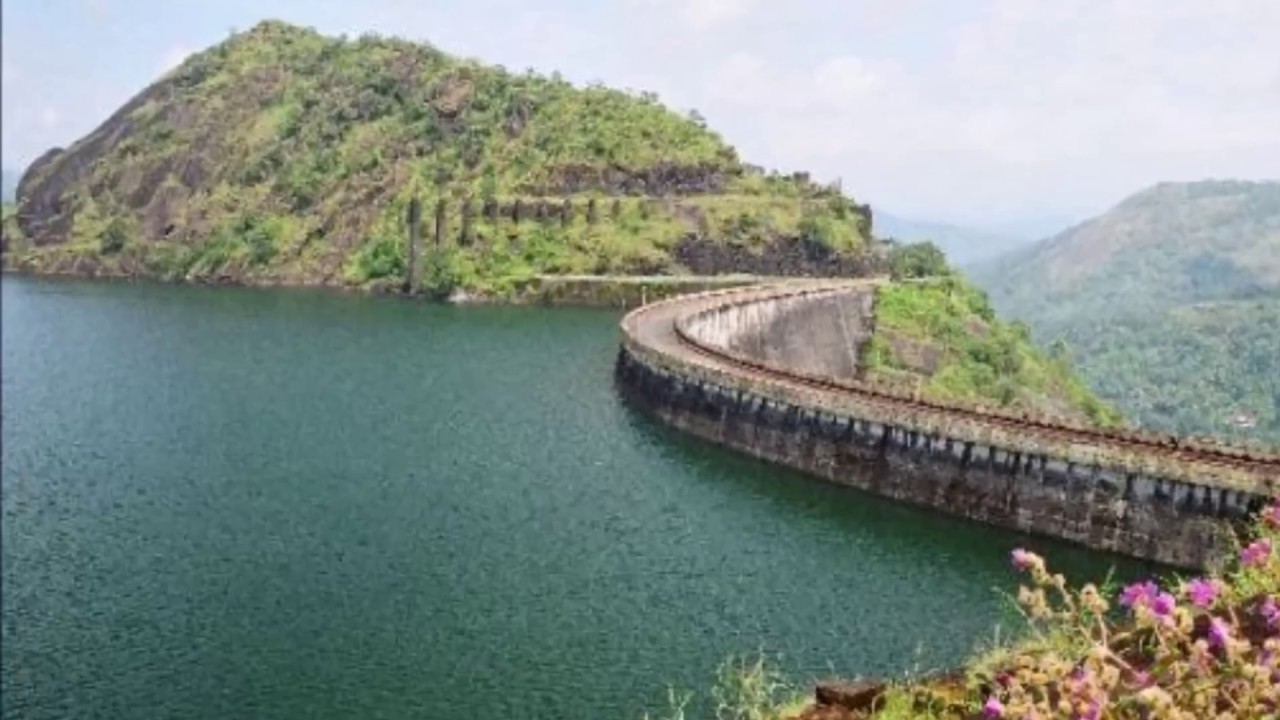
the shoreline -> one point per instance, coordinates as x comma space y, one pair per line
619, 292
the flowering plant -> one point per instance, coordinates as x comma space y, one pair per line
1197, 649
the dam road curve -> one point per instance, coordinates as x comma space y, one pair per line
772, 371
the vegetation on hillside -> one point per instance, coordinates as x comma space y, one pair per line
1173, 244
1212, 368
1181, 648
10, 232
917, 260
1169, 304
283, 155
942, 338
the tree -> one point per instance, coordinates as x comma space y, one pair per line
917, 260
114, 236
489, 183
1060, 350
440, 276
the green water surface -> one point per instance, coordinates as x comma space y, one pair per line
225, 503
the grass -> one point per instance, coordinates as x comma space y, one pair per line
976, 357
1172, 648
746, 688
10, 231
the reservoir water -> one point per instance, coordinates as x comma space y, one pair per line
223, 503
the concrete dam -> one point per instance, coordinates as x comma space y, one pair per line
772, 371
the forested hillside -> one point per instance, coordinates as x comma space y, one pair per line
941, 338
1169, 304
281, 155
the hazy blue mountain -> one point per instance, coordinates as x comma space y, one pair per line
1035, 227
964, 246
1169, 302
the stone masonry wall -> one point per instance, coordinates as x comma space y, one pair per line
815, 334
1146, 509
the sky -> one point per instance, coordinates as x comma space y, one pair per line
988, 112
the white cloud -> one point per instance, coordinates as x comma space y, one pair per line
846, 80
742, 78
882, 15
1003, 107
842, 82
50, 117
9, 72
1027, 104
702, 15
707, 14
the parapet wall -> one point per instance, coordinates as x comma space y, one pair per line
818, 333
707, 364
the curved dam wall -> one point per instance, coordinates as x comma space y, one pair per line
716, 365
819, 333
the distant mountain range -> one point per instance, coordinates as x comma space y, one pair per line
1170, 303
964, 246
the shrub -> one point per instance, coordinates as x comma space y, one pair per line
1208, 647
917, 260
439, 275
381, 257
259, 235
747, 689
114, 236
1184, 649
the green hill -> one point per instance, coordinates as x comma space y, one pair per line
1170, 304
283, 156
941, 338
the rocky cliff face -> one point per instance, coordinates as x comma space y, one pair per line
282, 156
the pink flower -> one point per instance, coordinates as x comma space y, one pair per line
1202, 593
1272, 514
1270, 612
1219, 632
1022, 559
1163, 604
1257, 553
1075, 682
1139, 594
993, 708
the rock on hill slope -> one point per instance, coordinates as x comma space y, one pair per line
1170, 303
283, 156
